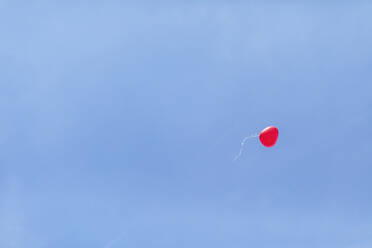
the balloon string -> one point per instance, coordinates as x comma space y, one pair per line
110, 244
243, 143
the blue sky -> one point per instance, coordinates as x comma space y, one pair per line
120, 122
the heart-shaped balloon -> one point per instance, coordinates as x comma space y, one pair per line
269, 136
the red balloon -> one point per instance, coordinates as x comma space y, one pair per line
269, 136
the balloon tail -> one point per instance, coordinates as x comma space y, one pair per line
243, 143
